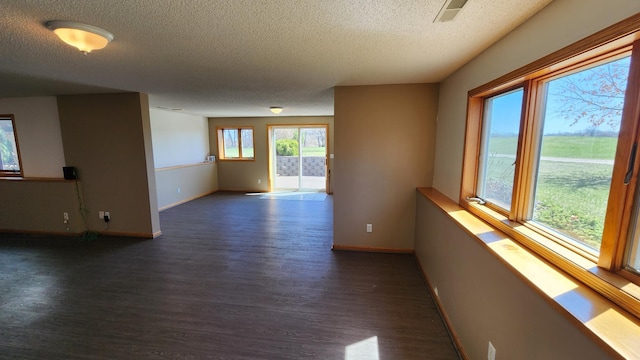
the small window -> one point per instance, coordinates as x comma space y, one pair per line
501, 128
9, 151
235, 143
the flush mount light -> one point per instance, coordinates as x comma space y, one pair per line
276, 109
82, 36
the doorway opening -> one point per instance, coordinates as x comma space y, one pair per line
298, 158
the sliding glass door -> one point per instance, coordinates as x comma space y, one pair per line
298, 158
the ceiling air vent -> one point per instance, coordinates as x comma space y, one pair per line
449, 10
166, 108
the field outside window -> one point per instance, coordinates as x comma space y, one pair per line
580, 131
236, 143
9, 153
550, 159
501, 123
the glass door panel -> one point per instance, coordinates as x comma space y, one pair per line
313, 153
287, 159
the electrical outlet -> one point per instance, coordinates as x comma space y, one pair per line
369, 228
179, 190
65, 216
259, 181
101, 215
491, 355
106, 214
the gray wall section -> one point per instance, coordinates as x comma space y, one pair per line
485, 301
290, 166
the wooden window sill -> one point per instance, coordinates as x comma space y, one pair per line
615, 329
175, 167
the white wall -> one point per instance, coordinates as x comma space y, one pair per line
181, 184
561, 23
39, 137
178, 139
181, 139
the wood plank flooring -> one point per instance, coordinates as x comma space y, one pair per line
233, 277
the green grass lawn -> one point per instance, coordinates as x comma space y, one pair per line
570, 197
578, 147
232, 152
248, 152
314, 151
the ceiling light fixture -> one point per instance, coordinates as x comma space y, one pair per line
276, 109
82, 36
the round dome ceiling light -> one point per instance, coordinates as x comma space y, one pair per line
82, 36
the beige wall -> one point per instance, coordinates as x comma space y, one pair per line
38, 206
556, 26
483, 299
384, 148
107, 138
38, 130
486, 302
244, 175
151, 206
177, 185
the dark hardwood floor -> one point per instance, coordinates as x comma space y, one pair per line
233, 277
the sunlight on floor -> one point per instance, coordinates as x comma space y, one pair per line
363, 350
296, 195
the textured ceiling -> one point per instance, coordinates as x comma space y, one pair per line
239, 57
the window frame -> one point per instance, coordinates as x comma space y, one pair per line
515, 186
7, 173
605, 272
220, 132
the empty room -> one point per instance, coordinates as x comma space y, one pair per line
218, 179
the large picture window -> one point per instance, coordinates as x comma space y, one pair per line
550, 159
578, 134
235, 143
9, 151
